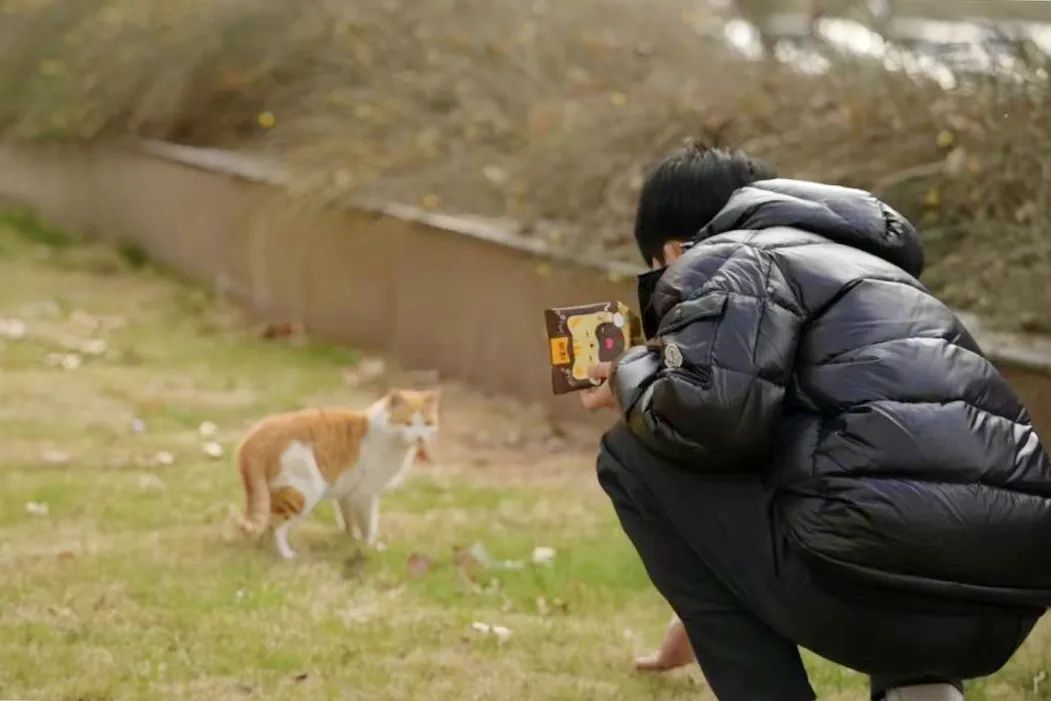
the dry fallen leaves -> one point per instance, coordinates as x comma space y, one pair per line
418, 565
501, 633
284, 329
66, 361
91, 323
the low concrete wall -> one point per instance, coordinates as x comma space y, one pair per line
454, 294
458, 296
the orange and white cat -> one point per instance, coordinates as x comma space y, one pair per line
289, 462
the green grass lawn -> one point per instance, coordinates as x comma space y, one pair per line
134, 585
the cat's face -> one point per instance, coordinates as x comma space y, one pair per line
414, 414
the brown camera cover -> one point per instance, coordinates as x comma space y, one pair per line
587, 334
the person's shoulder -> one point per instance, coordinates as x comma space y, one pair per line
750, 244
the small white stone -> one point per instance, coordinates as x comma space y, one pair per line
93, 346
151, 483
12, 329
55, 457
371, 368
212, 449
164, 458
37, 508
66, 361
495, 174
207, 429
543, 555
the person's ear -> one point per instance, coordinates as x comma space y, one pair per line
672, 250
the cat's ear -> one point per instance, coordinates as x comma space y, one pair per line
433, 396
395, 398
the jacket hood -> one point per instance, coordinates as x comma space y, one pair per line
847, 216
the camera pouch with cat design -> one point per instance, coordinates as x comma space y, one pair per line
582, 336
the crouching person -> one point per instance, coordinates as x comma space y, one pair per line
813, 450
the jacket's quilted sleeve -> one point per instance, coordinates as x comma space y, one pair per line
708, 389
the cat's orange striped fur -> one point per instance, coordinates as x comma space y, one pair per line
289, 462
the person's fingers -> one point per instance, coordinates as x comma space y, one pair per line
599, 371
600, 397
589, 398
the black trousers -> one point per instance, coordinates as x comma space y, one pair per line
713, 550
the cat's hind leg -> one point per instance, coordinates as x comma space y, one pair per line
293, 506
347, 519
295, 492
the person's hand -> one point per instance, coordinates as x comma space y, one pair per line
600, 397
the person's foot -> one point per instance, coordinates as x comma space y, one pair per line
675, 651
925, 692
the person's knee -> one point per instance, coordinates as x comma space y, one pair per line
609, 461
616, 469
613, 441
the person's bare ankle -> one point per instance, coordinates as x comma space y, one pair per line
675, 651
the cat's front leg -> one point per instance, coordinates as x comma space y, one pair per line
367, 516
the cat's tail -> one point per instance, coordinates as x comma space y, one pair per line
257, 496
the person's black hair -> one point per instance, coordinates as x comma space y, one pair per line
686, 190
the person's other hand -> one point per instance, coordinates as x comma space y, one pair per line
600, 397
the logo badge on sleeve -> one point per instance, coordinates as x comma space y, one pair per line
672, 356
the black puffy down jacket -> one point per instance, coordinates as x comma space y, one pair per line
795, 340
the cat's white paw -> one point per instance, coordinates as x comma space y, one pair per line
281, 541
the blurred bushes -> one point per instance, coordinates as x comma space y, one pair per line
545, 111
